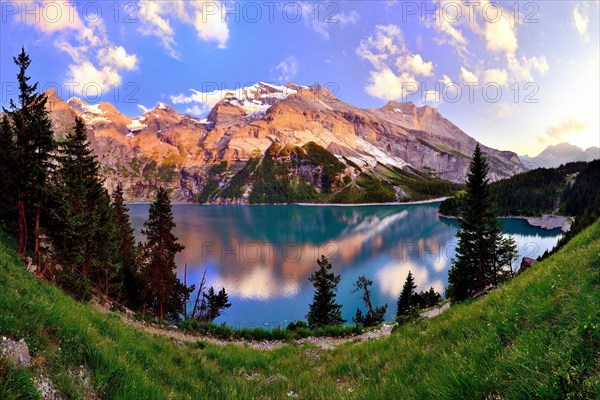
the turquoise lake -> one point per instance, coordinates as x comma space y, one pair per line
263, 255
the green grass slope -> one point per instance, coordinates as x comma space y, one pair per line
536, 337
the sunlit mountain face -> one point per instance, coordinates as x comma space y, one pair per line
263, 255
515, 77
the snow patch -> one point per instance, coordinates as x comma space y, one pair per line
379, 155
92, 109
136, 125
259, 96
96, 120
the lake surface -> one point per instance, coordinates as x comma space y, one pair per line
263, 255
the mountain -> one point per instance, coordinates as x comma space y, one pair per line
268, 143
555, 155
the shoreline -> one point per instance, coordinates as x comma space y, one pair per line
399, 203
548, 221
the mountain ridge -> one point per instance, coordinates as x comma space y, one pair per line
179, 151
561, 153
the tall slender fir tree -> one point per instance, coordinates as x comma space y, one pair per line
34, 147
406, 299
324, 311
479, 234
82, 221
129, 253
164, 295
8, 166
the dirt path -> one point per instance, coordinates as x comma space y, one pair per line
325, 343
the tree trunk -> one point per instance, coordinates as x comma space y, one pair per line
187, 296
22, 232
200, 290
36, 234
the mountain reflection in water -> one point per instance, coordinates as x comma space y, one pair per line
263, 255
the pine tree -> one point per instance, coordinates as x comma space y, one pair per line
163, 293
505, 252
34, 146
406, 298
478, 235
375, 315
129, 256
212, 304
324, 311
8, 189
82, 222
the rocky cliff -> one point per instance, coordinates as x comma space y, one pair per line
324, 149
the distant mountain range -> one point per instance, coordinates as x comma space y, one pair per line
555, 155
268, 143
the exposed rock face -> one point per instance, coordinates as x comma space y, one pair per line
16, 352
163, 147
526, 263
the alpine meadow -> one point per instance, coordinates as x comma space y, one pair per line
213, 199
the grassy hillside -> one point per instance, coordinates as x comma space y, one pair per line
536, 337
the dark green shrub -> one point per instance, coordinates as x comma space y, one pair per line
75, 284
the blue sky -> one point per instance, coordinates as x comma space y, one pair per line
532, 68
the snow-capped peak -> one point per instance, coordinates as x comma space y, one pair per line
75, 100
258, 98
84, 107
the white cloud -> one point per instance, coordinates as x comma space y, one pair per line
385, 84
501, 35
50, 16
581, 20
497, 27
210, 25
345, 19
143, 108
432, 97
86, 73
395, 66
449, 33
322, 22
468, 76
118, 57
496, 75
522, 68
446, 80
206, 16
96, 61
196, 110
154, 22
558, 131
287, 69
416, 64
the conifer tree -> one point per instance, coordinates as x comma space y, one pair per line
324, 311
164, 295
129, 256
212, 304
406, 299
8, 189
82, 221
34, 146
478, 236
373, 316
